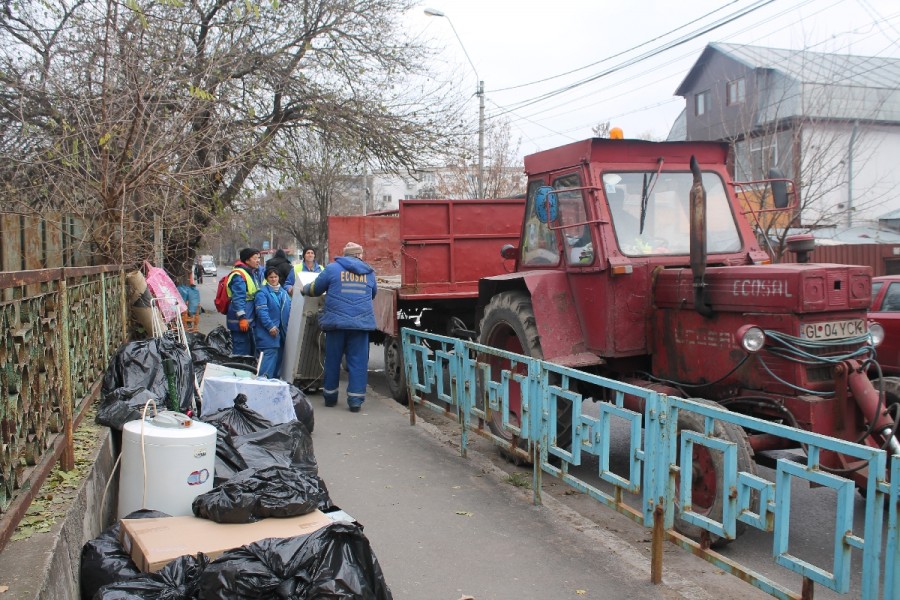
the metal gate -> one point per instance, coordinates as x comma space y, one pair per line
452, 375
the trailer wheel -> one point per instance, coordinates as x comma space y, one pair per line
707, 493
394, 370
509, 324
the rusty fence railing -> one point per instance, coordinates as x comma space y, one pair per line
59, 328
453, 377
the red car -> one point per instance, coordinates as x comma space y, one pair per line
885, 310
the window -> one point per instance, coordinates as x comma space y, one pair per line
386, 199
701, 103
876, 287
891, 301
763, 156
539, 246
734, 92
651, 213
577, 237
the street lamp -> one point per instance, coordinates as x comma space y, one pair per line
479, 91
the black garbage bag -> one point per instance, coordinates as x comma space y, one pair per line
288, 444
195, 339
219, 339
140, 364
123, 405
335, 562
104, 559
239, 419
178, 580
229, 461
254, 494
302, 408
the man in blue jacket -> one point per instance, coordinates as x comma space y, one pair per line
347, 319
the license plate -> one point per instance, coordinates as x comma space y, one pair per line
833, 330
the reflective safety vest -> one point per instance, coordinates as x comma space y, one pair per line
248, 280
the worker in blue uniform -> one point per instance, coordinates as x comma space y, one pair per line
347, 319
273, 307
243, 283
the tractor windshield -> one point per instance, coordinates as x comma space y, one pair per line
651, 213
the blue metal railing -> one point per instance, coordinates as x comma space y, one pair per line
453, 376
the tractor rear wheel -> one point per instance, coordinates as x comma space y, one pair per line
708, 494
509, 324
394, 370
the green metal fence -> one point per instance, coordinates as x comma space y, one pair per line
59, 328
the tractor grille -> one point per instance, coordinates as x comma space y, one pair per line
823, 371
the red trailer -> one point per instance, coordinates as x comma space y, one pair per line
429, 257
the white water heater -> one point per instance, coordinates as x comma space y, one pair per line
167, 461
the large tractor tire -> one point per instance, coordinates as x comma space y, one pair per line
707, 493
394, 370
509, 324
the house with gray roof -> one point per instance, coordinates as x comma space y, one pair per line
830, 122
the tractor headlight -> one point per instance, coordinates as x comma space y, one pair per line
876, 333
752, 338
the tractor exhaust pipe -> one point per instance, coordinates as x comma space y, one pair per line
698, 240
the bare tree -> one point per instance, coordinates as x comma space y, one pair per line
163, 112
504, 174
601, 130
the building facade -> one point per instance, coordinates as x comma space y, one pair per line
830, 122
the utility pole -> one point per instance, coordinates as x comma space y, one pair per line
480, 94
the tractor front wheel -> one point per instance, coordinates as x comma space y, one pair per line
708, 494
509, 324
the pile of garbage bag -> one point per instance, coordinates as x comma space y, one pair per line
262, 471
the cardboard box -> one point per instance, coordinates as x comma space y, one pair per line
153, 543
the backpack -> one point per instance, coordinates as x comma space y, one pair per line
223, 300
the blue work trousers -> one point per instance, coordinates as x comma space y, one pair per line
242, 343
354, 344
271, 362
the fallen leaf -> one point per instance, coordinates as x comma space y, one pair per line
581, 592
4, 588
464, 597
465, 513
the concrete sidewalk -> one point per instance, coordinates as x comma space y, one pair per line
444, 527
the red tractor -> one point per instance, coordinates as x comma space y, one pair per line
637, 262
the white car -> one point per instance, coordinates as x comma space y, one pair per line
209, 268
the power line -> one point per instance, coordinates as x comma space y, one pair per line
630, 62
749, 28
685, 55
618, 54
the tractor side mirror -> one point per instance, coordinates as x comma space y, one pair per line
779, 188
509, 252
546, 204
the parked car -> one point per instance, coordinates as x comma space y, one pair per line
209, 268
885, 310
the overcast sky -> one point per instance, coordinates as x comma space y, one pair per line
515, 43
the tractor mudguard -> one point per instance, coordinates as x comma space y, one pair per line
562, 340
